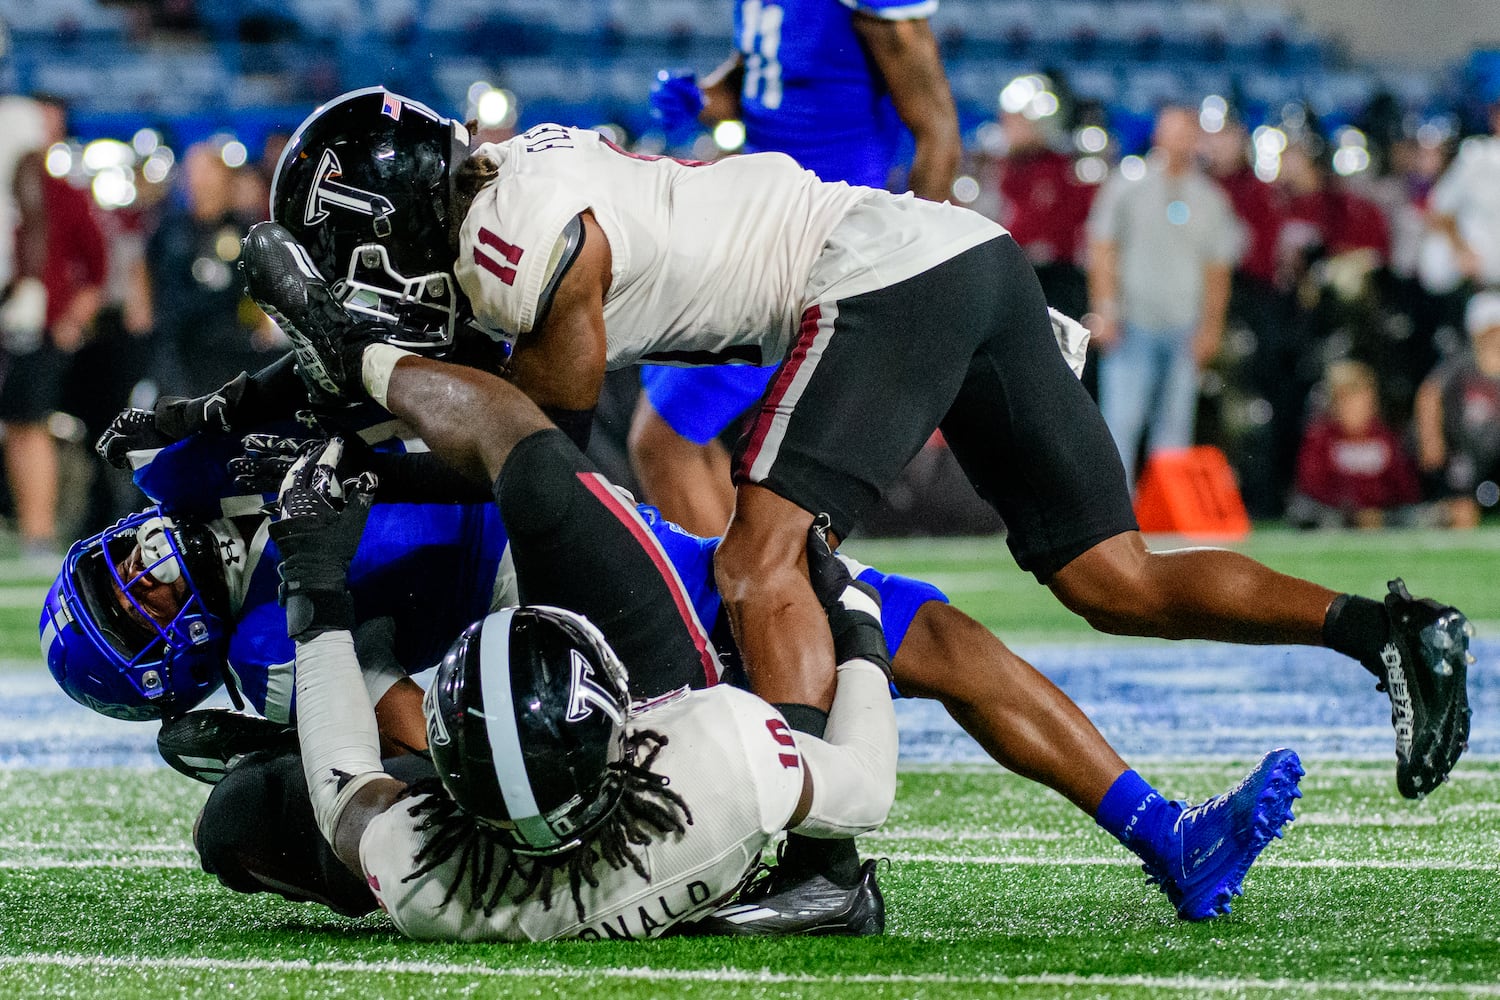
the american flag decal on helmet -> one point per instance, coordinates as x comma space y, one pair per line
391, 107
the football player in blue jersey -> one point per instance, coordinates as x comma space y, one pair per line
830, 83
422, 572
143, 621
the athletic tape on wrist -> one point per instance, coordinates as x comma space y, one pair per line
375, 367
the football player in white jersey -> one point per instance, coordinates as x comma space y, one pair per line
559, 810
891, 318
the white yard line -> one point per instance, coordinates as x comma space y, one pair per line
1424, 864
22, 597
949, 836
119, 860
170, 847
127, 864
723, 975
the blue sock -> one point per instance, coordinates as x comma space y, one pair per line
1137, 815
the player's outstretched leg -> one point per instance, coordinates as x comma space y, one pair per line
1198, 855
1070, 523
1418, 649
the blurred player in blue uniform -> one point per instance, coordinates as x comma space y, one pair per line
830, 83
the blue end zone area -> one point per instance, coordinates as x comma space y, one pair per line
1181, 701
1189, 700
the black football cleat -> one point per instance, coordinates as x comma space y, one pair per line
814, 907
282, 279
1425, 667
205, 744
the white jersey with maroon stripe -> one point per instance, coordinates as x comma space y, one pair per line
711, 263
728, 754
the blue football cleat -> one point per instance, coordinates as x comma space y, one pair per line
1217, 842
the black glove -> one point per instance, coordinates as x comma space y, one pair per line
132, 430
853, 608
264, 462
172, 419
319, 527
177, 417
328, 341
265, 459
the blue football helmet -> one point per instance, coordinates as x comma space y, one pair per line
118, 643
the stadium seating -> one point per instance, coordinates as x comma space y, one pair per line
1129, 55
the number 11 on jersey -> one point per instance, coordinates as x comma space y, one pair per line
760, 41
509, 251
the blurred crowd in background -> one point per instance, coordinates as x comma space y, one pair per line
1316, 294
1346, 366
112, 302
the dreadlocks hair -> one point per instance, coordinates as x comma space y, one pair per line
473, 174
647, 808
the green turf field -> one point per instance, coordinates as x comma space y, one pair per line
995, 888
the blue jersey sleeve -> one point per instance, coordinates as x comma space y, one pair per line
693, 558
894, 10
260, 654
191, 477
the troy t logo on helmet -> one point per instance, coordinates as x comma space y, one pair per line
585, 694
329, 193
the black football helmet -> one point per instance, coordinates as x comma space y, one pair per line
366, 186
524, 718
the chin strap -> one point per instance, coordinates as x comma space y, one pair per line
232, 685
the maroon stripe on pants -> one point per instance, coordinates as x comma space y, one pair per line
762, 426
599, 487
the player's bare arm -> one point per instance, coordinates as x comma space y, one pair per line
1104, 293
561, 365
1216, 284
1427, 425
721, 91
907, 55
1446, 226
